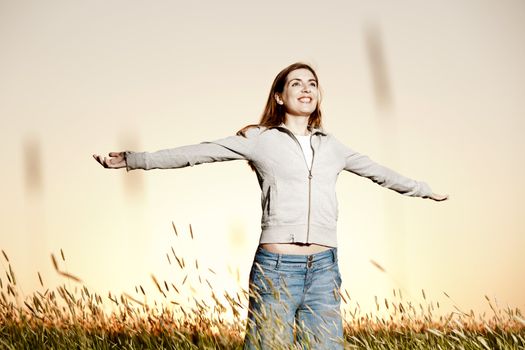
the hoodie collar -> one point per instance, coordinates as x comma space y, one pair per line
311, 129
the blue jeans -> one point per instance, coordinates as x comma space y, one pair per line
294, 299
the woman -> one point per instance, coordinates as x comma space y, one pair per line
295, 279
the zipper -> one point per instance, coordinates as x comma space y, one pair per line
309, 187
309, 176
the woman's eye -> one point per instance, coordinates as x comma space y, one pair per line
313, 84
295, 84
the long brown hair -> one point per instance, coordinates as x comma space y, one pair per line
274, 113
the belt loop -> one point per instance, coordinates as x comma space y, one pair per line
334, 255
278, 261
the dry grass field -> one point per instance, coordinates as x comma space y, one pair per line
71, 316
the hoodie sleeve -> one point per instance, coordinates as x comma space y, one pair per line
228, 148
362, 165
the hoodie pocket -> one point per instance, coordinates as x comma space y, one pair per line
268, 204
269, 201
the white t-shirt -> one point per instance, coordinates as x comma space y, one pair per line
304, 140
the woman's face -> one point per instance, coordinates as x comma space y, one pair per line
300, 94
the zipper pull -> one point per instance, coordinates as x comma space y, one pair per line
310, 176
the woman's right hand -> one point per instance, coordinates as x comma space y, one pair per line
116, 160
438, 197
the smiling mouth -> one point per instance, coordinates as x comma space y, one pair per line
305, 99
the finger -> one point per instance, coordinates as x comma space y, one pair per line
115, 154
97, 158
441, 197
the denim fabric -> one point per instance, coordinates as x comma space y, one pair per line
294, 301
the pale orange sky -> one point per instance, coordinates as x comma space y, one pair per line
92, 77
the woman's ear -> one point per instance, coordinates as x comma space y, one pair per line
278, 98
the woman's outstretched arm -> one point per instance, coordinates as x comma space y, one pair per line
229, 148
362, 165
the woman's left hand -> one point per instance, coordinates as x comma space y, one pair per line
438, 197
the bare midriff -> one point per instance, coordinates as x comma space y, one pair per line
294, 248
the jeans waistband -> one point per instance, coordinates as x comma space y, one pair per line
263, 254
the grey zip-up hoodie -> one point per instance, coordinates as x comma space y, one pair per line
298, 204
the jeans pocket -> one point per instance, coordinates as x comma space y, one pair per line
264, 280
335, 277
338, 279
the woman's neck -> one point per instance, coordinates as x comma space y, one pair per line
297, 124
